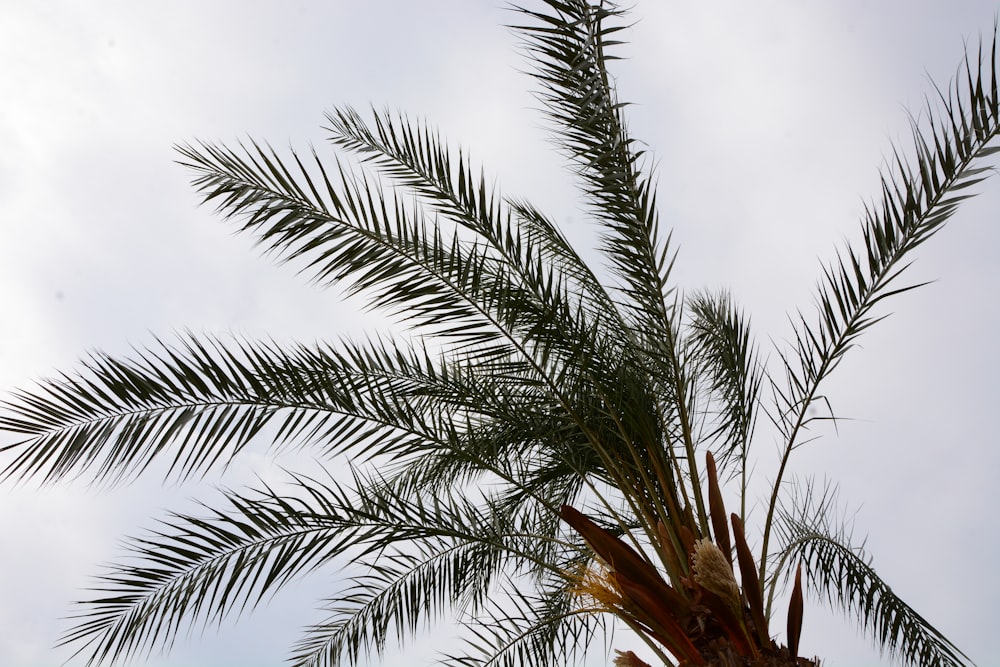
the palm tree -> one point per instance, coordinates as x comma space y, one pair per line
552, 447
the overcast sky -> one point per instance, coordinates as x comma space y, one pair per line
768, 123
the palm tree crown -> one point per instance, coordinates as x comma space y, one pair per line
550, 449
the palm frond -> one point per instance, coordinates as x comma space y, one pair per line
115, 416
200, 402
842, 575
725, 351
349, 227
194, 404
415, 156
528, 629
530, 244
197, 570
424, 553
401, 593
471, 291
439, 554
570, 47
918, 197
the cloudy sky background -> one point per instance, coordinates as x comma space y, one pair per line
768, 125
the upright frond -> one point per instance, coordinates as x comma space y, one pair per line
917, 197
726, 353
570, 46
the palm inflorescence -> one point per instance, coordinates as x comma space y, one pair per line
548, 450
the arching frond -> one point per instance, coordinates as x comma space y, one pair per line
425, 554
842, 575
197, 570
918, 196
528, 629
401, 593
115, 416
441, 556
348, 227
415, 156
198, 403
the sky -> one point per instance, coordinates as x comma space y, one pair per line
768, 124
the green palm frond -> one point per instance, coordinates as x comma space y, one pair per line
918, 197
424, 554
438, 553
528, 242
197, 570
528, 629
727, 355
493, 294
349, 227
401, 592
198, 403
414, 155
842, 575
569, 46
115, 416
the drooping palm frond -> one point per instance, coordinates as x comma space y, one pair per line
196, 570
842, 575
528, 628
434, 553
401, 593
424, 554
200, 402
407, 591
368, 399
